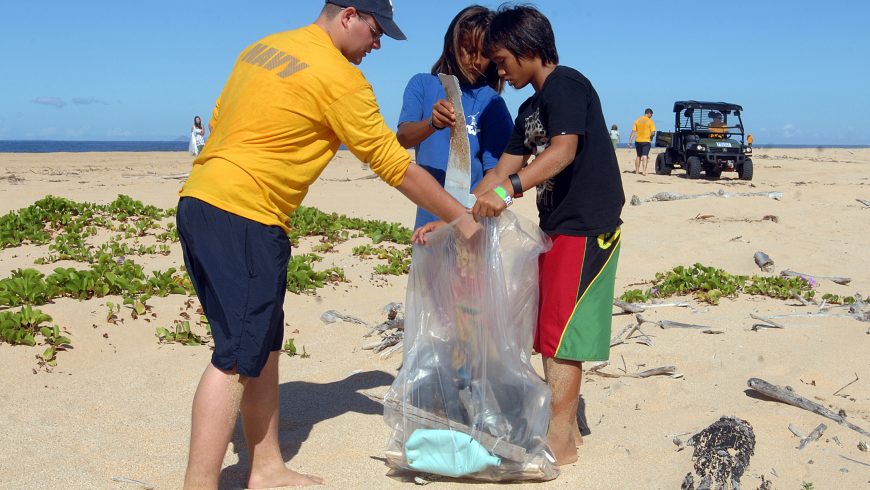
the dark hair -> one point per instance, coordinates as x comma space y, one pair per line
471, 22
613, 127
648, 111
524, 31
200, 122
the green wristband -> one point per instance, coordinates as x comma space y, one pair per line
501, 192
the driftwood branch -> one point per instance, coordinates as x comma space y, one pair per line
847, 385
627, 307
770, 323
865, 202
791, 398
839, 280
663, 370
668, 323
800, 298
641, 307
674, 196
814, 436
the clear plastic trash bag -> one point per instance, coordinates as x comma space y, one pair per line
466, 379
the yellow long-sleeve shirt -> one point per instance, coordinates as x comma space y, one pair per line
290, 101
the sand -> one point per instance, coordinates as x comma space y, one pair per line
118, 404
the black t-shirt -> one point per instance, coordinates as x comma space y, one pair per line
586, 197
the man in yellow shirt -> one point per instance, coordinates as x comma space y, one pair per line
641, 133
290, 101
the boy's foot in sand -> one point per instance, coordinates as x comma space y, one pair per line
564, 448
281, 479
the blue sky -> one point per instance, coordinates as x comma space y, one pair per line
101, 70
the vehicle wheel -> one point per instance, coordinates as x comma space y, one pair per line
662, 164
713, 174
745, 171
693, 167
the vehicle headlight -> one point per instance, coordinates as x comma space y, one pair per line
701, 148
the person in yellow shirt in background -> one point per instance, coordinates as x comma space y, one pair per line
749, 140
292, 98
641, 133
717, 127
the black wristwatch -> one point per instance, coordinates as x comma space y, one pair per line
433, 126
517, 185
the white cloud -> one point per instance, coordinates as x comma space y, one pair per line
52, 101
790, 131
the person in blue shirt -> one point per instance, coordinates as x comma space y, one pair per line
426, 112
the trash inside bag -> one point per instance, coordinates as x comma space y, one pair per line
466, 373
446, 452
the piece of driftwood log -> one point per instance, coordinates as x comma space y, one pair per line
794, 430
839, 280
675, 196
865, 202
497, 446
814, 436
668, 323
791, 398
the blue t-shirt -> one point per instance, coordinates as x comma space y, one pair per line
487, 120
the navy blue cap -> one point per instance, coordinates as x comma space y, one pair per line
381, 10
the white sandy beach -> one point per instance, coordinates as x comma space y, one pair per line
118, 403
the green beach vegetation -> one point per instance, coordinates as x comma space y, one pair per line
106, 239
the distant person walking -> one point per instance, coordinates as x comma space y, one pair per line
197, 137
614, 136
641, 133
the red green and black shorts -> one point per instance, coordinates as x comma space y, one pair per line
577, 278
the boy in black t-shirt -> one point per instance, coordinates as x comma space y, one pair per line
580, 199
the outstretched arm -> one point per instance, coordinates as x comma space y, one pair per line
557, 156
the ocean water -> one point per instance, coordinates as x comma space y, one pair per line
47, 146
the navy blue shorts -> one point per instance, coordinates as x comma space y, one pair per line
239, 271
642, 148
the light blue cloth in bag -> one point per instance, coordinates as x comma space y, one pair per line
447, 452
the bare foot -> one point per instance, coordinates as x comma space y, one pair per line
564, 449
285, 478
578, 438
